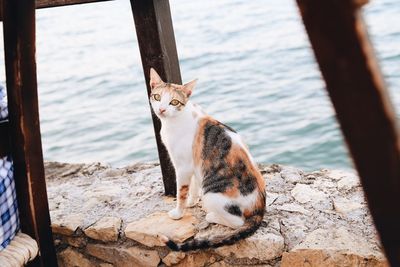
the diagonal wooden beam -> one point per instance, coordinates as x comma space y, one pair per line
157, 46
26, 146
56, 3
368, 121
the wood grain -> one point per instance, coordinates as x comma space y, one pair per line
26, 146
157, 47
367, 118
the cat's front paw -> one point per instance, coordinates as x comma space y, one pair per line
175, 214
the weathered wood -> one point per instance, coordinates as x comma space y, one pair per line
56, 3
19, 46
356, 87
157, 46
4, 139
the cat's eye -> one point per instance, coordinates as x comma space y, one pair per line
157, 97
174, 102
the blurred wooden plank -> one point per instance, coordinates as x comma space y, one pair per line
56, 3
157, 46
4, 139
356, 87
19, 45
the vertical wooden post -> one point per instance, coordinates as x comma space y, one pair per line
367, 118
157, 46
19, 45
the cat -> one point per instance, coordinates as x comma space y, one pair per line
210, 157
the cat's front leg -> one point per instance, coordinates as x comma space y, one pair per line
194, 192
183, 181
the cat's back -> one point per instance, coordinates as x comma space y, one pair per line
224, 158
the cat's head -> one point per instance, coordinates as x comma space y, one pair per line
168, 99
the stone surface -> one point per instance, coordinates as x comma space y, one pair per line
78, 242
173, 258
198, 259
68, 226
71, 258
345, 206
291, 174
333, 247
124, 257
291, 207
106, 229
305, 193
143, 231
348, 182
301, 207
261, 247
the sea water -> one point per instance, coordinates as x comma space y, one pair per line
256, 70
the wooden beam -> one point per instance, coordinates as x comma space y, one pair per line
356, 87
19, 46
4, 139
157, 46
56, 3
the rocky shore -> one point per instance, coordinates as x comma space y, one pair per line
104, 216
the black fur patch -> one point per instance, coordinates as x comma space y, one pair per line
233, 209
219, 176
227, 127
217, 144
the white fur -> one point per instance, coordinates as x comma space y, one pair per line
177, 133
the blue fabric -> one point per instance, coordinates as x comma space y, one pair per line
9, 220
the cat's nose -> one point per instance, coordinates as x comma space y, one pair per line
162, 110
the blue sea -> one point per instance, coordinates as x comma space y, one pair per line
256, 73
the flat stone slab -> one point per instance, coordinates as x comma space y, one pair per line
333, 247
105, 229
147, 230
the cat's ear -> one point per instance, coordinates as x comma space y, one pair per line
155, 79
188, 87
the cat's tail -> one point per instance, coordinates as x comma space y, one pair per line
251, 224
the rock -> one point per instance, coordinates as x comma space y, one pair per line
220, 264
78, 242
305, 193
71, 258
68, 225
333, 247
348, 182
198, 259
124, 257
143, 231
106, 229
260, 246
290, 174
298, 203
270, 198
291, 207
106, 265
344, 206
336, 174
173, 258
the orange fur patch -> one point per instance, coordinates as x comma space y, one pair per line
247, 213
183, 192
198, 142
232, 191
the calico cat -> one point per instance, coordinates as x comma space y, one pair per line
210, 157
